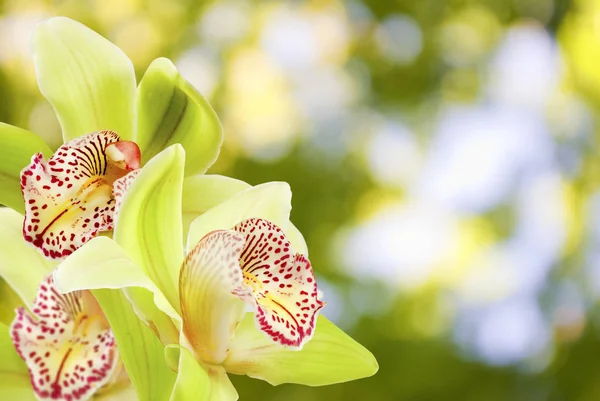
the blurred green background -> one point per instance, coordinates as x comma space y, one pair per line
443, 156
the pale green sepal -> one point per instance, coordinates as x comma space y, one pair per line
102, 263
17, 146
296, 239
14, 376
89, 81
170, 110
204, 191
148, 225
140, 350
201, 192
120, 394
199, 383
270, 201
21, 265
330, 357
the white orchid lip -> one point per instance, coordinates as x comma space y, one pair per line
68, 348
69, 199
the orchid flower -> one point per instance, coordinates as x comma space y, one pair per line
242, 253
71, 198
63, 347
110, 128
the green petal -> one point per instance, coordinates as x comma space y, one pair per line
202, 192
21, 265
148, 226
271, 201
9, 302
14, 376
169, 111
296, 239
197, 383
140, 350
330, 357
102, 263
121, 394
16, 148
89, 81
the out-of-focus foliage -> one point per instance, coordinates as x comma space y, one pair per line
443, 156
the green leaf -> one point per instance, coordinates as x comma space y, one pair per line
330, 357
169, 111
140, 350
89, 81
195, 382
21, 265
16, 148
14, 376
271, 201
148, 226
102, 263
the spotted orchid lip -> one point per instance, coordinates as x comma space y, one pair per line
68, 349
253, 263
279, 283
69, 199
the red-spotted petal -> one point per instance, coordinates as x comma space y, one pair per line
68, 199
67, 348
120, 188
279, 283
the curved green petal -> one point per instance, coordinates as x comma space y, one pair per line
148, 226
89, 81
140, 350
195, 382
330, 357
271, 201
202, 192
14, 376
169, 111
21, 265
16, 148
102, 263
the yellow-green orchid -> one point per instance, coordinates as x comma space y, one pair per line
109, 128
243, 251
58, 347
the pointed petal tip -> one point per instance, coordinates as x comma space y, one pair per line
330, 357
163, 63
